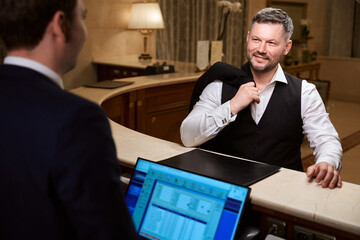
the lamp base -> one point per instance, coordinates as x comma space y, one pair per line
145, 56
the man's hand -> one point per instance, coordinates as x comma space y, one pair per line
246, 94
326, 173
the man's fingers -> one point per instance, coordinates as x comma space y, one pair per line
321, 175
250, 84
310, 172
326, 174
256, 98
246, 94
329, 179
252, 91
334, 181
339, 183
254, 94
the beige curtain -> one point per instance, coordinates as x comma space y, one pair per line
187, 21
342, 33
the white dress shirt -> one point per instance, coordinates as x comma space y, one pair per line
36, 66
209, 117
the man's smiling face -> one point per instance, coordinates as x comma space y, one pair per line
266, 44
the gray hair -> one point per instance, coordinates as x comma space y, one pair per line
275, 16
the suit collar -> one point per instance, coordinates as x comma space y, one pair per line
36, 66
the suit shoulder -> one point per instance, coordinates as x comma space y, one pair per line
78, 104
78, 99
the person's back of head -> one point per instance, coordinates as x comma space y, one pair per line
50, 32
23, 22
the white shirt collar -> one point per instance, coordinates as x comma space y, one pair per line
279, 75
36, 66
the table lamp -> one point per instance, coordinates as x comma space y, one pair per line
145, 17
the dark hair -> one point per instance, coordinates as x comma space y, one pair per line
276, 16
23, 22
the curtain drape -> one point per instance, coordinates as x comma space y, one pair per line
188, 21
342, 32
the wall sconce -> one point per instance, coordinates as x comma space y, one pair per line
145, 17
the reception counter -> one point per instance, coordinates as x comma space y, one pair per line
286, 195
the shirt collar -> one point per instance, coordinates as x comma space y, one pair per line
36, 66
279, 75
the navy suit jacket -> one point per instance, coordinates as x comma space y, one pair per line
59, 174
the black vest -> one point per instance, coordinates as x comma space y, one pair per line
276, 140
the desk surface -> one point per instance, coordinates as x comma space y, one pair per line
287, 191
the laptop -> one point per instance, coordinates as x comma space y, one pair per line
170, 203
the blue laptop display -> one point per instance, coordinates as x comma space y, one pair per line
169, 203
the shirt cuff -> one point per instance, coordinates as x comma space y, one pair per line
223, 116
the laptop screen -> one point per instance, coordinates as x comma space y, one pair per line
169, 203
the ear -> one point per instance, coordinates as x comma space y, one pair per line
287, 47
59, 26
248, 36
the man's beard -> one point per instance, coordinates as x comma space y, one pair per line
271, 65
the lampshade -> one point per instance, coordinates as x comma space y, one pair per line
146, 15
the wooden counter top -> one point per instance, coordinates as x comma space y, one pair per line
287, 191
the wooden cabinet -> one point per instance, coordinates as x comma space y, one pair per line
308, 71
155, 111
110, 72
121, 109
161, 110
293, 227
